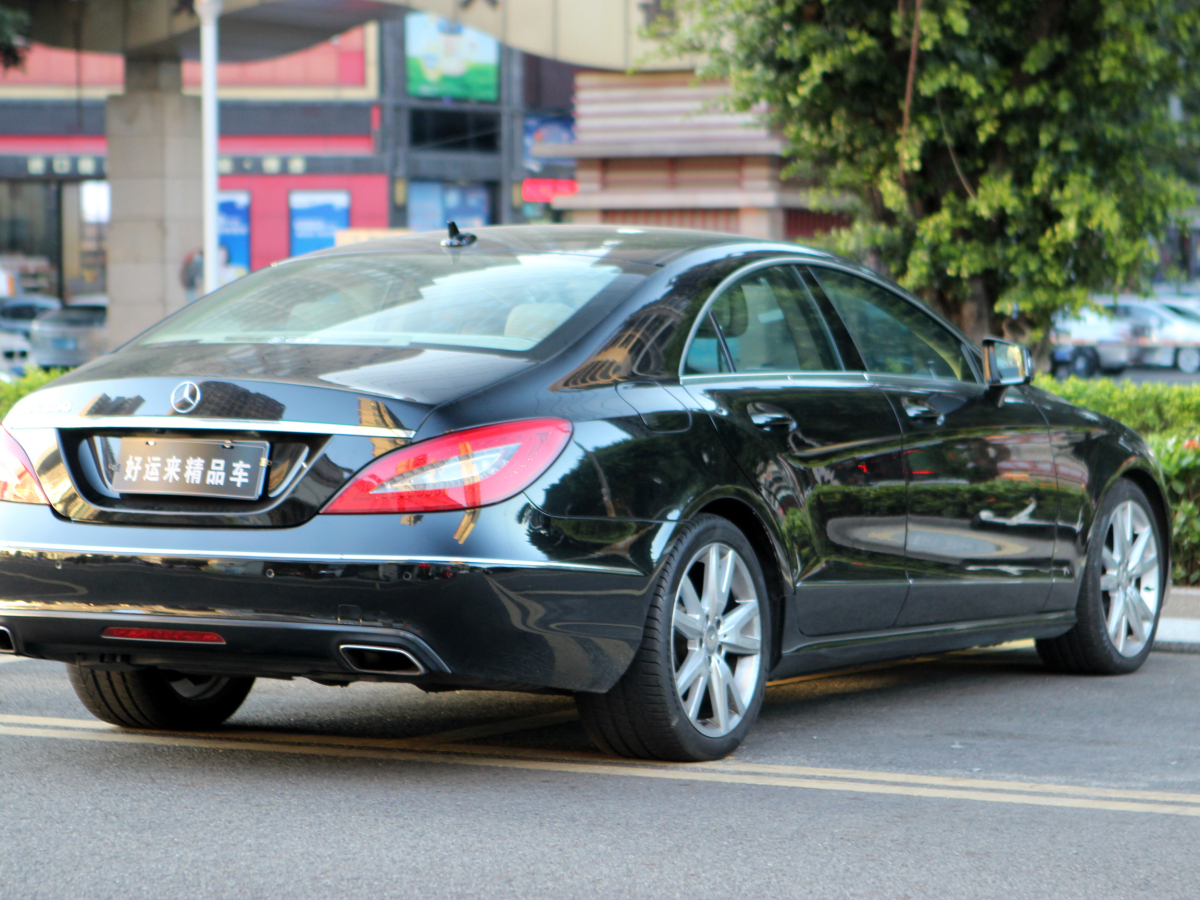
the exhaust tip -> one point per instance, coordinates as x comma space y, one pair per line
381, 660
7, 644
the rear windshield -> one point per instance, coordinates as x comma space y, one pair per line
506, 302
76, 315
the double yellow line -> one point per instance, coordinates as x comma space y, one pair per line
447, 749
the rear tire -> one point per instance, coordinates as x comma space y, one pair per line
1085, 362
696, 684
1187, 360
1122, 591
155, 698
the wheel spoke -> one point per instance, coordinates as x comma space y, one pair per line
1108, 582
739, 703
1147, 564
1138, 550
712, 586
691, 705
1140, 611
692, 668
1135, 622
1116, 618
1110, 561
718, 694
691, 601
691, 627
1122, 532
741, 644
737, 619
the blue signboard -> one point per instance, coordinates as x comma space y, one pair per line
316, 216
431, 204
233, 230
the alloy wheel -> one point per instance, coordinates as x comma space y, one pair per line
717, 640
1130, 580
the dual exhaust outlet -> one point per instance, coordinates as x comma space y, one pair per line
378, 660
7, 644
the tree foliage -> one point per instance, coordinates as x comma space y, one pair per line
14, 24
1045, 148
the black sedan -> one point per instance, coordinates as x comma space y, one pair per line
650, 468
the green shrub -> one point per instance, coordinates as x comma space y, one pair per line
1153, 408
12, 391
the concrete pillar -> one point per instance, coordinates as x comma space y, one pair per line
761, 223
154, 170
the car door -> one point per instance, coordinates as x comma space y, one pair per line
982, 501
822, 444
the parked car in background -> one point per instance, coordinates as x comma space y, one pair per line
14, 354
18, 308
69, 337
17, 313
1090, 342
1167, 334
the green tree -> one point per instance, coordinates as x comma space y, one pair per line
1045, 145
14, 25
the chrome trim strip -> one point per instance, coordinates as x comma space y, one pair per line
790, 379
471, 561
183, 423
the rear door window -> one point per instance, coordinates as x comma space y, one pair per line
768, 323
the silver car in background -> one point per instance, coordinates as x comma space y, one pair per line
1092, 341
1167, 332
69, 337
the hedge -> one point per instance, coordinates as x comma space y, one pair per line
12, 391
1152, 408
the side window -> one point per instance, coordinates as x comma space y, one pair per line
894, 336
705, 356
769, 324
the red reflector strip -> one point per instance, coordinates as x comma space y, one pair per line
163, 634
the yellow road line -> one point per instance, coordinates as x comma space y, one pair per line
669, 772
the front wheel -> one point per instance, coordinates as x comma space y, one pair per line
156, 698
697, 682
1121, 595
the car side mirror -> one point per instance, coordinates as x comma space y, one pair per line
1006, 364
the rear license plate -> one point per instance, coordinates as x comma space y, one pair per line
63, 343
233, 469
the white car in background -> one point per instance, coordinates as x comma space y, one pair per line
1092, 341
1166, 330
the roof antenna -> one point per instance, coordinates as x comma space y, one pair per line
457, 238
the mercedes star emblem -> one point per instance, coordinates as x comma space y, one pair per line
185, 397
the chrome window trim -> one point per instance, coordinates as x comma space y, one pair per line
797, 260
271, 556
185, 423
851, 377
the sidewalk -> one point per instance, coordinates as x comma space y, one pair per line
1179, 627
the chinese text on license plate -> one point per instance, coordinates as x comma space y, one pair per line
192, 468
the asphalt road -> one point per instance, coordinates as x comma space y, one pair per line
971, 775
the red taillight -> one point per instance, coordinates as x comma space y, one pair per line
460, 470
17, 481
162, 634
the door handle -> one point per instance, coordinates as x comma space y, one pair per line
770, 418
922, 411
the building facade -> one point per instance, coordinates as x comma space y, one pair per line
399, 124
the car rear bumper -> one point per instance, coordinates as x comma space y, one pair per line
530, 605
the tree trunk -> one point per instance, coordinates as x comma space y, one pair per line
975, 314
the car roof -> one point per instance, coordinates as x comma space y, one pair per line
630, 243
